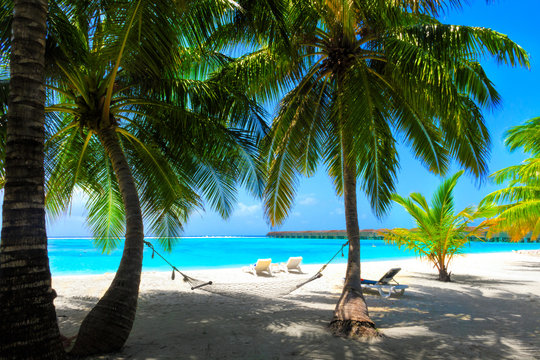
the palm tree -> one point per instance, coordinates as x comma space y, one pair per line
519, 210
29, 327
367, 73
140, 138
440, 234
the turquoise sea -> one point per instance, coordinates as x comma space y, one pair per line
79, 256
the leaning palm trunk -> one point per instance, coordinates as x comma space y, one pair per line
107, 326
351, 318
28, 326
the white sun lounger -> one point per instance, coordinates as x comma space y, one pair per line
386, 285
260, 267
292, 264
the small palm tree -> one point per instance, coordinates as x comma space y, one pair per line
519, 210
440, 234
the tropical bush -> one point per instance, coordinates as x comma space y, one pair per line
441, 234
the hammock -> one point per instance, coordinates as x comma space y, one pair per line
263, 287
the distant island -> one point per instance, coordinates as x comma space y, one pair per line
324, 234
371, 234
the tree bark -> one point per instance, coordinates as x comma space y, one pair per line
28, 325
107, 326
351, 317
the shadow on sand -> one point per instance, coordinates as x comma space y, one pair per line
431, 321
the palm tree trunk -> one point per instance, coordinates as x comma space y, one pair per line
444, 275
351, 317
28, 325
107, 326
441, 265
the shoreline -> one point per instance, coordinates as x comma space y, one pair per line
224, 267
489, 311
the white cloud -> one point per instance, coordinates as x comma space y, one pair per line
247, 210
337, 211
308, 199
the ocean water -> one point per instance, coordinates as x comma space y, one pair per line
79, 256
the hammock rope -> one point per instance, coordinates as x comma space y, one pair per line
195, 284
233, 289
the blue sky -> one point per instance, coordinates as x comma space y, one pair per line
318, 208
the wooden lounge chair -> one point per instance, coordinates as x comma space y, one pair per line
260, 267
386, 285
292, 264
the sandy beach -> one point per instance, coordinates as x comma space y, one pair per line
490, 311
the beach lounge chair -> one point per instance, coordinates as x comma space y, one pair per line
386, 285
292, 264
260, 267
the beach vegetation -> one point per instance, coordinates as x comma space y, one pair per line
147, 118
28, 323
365, 75
440, 233
519, 202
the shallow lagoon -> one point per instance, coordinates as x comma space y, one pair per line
79, 256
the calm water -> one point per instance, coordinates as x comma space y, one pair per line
78, 256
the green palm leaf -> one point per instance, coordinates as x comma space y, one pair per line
519, 201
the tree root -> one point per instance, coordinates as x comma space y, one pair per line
354, 329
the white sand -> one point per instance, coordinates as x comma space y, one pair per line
490, 311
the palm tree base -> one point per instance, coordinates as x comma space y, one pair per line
444, 276
354, 329
107, 326
92, 340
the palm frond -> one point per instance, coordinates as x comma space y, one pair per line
525, 136
365, 113
106, 215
